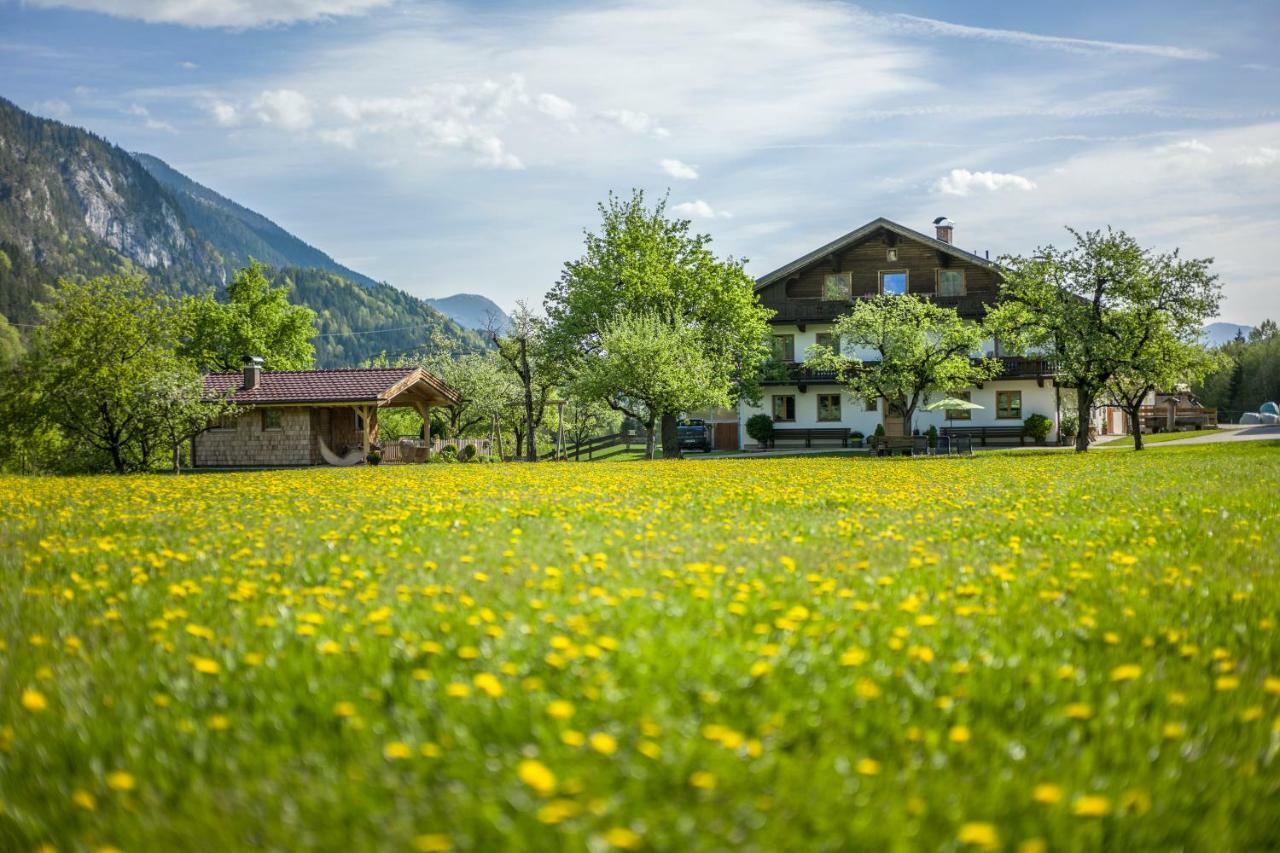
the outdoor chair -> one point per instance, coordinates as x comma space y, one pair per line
964, 445
943, 447
919, 445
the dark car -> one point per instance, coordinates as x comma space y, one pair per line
694, 434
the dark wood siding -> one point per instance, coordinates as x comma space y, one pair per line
800, 295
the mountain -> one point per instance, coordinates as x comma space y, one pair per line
237, 232
471, 310
74, 205
1217, 334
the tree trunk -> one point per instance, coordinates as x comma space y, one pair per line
908, 415
1084, 411
527, 375
1135, 425
670, 437
650, 440
177, 456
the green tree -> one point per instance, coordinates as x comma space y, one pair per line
256, 319
1094, 307
642, 262
10, 343
922, 348
522, 346
1249, 377
175, 407
646, 366
1163, 364
90, 365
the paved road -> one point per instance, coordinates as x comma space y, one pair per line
1246, 433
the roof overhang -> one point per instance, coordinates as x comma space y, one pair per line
863, 233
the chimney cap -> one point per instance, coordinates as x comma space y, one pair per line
943, 221
252, 361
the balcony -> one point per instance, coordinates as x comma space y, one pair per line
798, 373
801, 311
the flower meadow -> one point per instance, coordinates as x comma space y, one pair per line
1017, 651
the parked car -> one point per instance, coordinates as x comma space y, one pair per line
694, 434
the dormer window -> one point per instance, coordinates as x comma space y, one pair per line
893, 281
837, 287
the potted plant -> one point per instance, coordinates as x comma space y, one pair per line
760, 427
1037, 427
855, 439
1068, 428
374, 457
933, 437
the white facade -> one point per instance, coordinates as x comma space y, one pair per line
1032, 396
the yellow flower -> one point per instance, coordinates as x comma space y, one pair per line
1226, 683
1271, 685
344, 709
867, 766
1078, 711
536, 775
704, 780
329, 647
959, 734
1091, 806
219, 723
570, 737
33, 700
558, 811
206, 666
560, 709
458, 690
603, 743
119, 780
396, 750
979, 835
488, 685
760, 668
1126, 672
1174, 731
432, 843
1046, 793
84, 800
853, 657
622, 838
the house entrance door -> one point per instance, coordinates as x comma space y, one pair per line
892, 422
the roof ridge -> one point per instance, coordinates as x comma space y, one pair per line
320, 370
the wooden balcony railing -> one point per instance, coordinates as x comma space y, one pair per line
798, 373
825, 311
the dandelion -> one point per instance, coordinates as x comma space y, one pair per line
1046, 794
1078, 711
1226, 683
959, 734
603, 743
704, 780
979, 835
206, 666
1091, 806
558, 811
34, 701
867, 767
1126, 672
119, 780
560, 709
432, 843
84, 800
622, 838
396, 750
489, 685
536, 775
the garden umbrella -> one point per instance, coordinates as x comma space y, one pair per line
951, 403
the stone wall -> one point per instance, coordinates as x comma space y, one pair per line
248, 444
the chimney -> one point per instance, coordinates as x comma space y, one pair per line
944, 227
252, 371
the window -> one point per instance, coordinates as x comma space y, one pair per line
951, 282
1009, 405
784, 347
893, 281
828, 407
872, 404
959, 414
837, 287
829, 340
784, 407
270, 419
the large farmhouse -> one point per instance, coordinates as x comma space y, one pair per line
883, 257
309, 417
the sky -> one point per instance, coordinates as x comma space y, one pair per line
453, 147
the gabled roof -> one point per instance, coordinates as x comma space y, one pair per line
375, 386
860, 234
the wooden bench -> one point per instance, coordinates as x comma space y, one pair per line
982, 433
810, 433
889, 445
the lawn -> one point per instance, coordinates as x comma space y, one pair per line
1035, 651
1158, 437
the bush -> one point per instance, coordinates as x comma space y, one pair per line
760, 427
448, 453
933, 435
467, 453
1037, 427
879, 431
1069, 427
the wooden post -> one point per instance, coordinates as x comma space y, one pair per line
364, 433
495, 430
560, 454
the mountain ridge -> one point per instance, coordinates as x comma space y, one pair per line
471, 310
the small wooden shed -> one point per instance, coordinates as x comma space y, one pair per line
310, 417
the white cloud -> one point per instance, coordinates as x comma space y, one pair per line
1261, 156
556, 106
286, 108
931, 26
225, 114
54, 107
151, 122
699, 209
636, 122
343, 137
679, 170
963, 182
1186, 146
219, 13
188, 66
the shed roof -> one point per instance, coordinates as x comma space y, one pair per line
377, 385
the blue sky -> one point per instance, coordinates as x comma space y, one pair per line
451, 147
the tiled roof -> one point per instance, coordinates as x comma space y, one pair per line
366, 385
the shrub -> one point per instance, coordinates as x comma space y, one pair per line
448, 453
467, 453
1069, 427
760, 427
879, 431
1037, 427
374, 457
933, 435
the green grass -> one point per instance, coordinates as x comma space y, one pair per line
1073, 651
1158, 437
